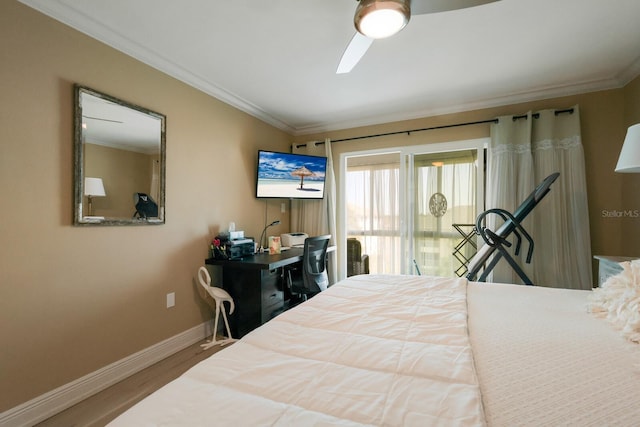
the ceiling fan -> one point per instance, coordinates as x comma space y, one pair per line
377, 19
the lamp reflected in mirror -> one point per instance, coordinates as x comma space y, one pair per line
93, 187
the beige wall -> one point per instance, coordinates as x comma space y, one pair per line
74, 299
604, 117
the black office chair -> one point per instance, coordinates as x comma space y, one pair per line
312, 277
356, 262
146, 207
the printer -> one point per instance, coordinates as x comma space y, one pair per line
293, 239
236, 245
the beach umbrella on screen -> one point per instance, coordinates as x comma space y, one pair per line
302, 172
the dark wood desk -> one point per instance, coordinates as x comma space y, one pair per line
256, 284
263, 261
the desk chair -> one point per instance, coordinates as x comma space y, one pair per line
356, 262
219, 295
496, 241
312, 277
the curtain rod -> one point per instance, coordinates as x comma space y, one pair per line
537, 115
408, 132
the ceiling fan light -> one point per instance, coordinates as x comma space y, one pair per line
378, 19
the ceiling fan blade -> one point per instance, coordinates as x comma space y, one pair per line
356, 49
419, 7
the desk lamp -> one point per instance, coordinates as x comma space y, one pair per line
276, 222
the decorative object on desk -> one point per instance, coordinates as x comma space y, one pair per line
218, 250
219, 296
274, 245
262, 236
629, 160
93, 187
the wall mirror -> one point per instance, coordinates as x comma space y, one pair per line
119, 176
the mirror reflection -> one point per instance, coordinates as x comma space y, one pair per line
119, 161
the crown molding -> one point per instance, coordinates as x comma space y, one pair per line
514, 98
98, 31
71, 17
630, 73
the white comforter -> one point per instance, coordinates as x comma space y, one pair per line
372, 350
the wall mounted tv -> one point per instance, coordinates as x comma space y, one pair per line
290, 176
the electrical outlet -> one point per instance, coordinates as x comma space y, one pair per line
283, 207
171, 299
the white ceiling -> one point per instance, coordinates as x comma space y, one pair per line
276, 59
119, 126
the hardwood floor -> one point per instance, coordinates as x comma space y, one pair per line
103, 407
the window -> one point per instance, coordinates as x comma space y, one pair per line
403, 205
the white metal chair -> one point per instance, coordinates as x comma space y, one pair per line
219, 295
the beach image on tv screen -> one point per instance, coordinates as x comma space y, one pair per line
285, 175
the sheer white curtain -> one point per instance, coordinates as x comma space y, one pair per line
155, 180
318, 217
522, 152
373, 209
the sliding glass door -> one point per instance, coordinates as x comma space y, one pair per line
411, 208
373, 209
444, 202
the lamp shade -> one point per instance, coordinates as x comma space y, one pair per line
629, 160
93, 187
378, 19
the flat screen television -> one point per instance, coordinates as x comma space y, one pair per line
290, 176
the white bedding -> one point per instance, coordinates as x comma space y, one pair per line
373, 350
397, 351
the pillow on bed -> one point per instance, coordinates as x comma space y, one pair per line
618, 300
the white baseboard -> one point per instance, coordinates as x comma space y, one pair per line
63, 397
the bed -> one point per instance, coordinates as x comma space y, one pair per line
378, 350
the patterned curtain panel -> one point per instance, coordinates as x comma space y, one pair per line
523, 151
